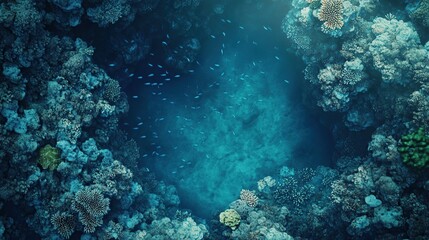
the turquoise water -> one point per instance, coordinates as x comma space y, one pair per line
232, 120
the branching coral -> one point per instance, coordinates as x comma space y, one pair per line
249, 197
331, 12
91, 206
64, 223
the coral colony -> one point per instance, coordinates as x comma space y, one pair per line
214, 119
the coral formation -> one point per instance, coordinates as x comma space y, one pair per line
49, 157
91, 206
64, 223
414, 149
230, 218
331, 13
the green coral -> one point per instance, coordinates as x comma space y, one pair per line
230, 218
421, 14
49, 157
414, 149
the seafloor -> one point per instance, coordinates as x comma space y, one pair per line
204, 119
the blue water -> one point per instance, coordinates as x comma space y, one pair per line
232, 119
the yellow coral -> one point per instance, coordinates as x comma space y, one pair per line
230, 218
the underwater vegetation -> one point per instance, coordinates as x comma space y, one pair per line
214, 119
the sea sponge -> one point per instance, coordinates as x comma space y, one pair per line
49, 157
230, 218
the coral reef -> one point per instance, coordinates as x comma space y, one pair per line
69, 166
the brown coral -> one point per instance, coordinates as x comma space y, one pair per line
331, 12
249, 197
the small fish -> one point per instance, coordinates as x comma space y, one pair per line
181, 166
159, 66
216, 65
140, 123
221, 51
164, 99
228, 21
196, 97
161, 119
145, 155
140, 77
135, 128
224, 34
167, 79
143, 136
265, 28
151, 75
177, 76
163, 75
135, 96
241, 27
212, 36
211, 68
164, 43
191, 70
154, 84
277, 57
168, 36
112, 65
150, 64
131, 75
286, 81
147, 84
